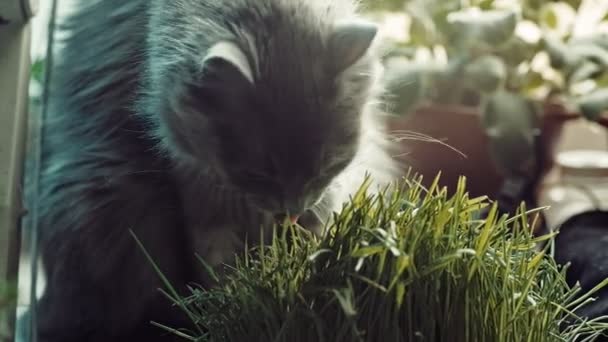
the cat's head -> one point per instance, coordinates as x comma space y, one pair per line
280, 121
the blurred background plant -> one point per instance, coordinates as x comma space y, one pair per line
511, 61
470, 52
8, 294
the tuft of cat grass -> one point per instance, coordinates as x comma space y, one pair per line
412, 265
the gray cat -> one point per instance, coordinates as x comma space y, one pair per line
194, 123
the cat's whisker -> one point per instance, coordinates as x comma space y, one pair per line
399, 136
399, 155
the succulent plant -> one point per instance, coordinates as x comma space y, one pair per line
503, 57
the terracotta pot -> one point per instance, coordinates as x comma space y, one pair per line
460, 128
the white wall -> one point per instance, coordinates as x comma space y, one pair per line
41, 21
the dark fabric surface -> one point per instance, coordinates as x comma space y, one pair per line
583, 242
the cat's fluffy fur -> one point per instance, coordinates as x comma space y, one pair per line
136, 139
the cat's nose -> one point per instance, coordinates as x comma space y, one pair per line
282, 217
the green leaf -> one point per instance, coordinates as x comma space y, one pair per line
421, 33
345, 298
485, 74
560, 55
571, 56
318, 253
532, 81
599, 39
8, 295
382, 5
592, 105
548, 18
486, 4
535, 262
574, 3
592, 52
367, 251
397, 50
510, 121
516, 50
429, 20
585, 71
534, 5
484, 236
602, 79
37, 70
473, 26
557, 17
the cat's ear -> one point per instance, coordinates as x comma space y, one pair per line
350, 40
227, 57
225, 78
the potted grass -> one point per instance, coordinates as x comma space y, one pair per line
490, 80
413, 265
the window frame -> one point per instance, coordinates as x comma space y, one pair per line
15, 47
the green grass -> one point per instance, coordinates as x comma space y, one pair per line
8, 298
8, 295
415, 265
